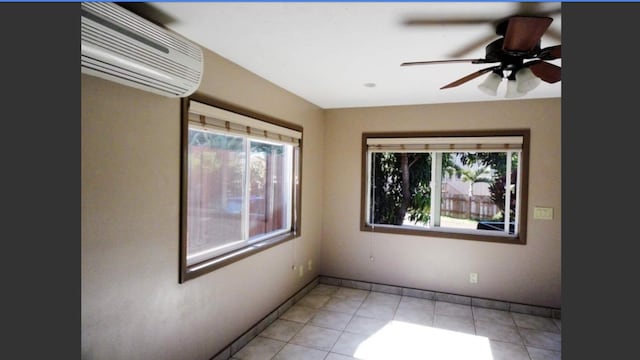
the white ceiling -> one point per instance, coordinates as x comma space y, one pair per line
327, 52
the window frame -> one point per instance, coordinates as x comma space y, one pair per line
188, 272
519, 239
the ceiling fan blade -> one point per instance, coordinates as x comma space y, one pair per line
469, 77
439, 22
473, 61
523, 33
524, 10
551, 53
478, 43
546, 71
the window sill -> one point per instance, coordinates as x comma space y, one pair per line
206, 266
446, 233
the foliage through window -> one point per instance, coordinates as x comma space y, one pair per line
240, 190
469, 185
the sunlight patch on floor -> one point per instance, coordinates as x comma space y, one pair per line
401, 340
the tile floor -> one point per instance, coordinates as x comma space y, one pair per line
341, 323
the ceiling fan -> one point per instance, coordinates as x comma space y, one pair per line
519, 9
518, 54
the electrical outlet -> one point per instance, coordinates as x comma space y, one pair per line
473, 278
300, 270
543, 213
309, 264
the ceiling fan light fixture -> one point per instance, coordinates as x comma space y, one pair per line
526, 80
490, 84
512, 89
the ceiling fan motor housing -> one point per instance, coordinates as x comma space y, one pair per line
509, 60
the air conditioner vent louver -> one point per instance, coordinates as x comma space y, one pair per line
123, 47
97, 65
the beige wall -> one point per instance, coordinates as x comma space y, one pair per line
528, 274
132, 304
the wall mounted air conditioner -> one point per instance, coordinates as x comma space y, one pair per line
121, 46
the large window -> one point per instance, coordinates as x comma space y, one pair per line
240, 186
463, 185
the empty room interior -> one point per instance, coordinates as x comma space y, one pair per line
311, 194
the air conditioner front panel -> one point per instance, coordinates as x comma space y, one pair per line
123, 47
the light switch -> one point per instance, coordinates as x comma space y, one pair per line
543, 213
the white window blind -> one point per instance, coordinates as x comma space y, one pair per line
208, 117
445, 144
